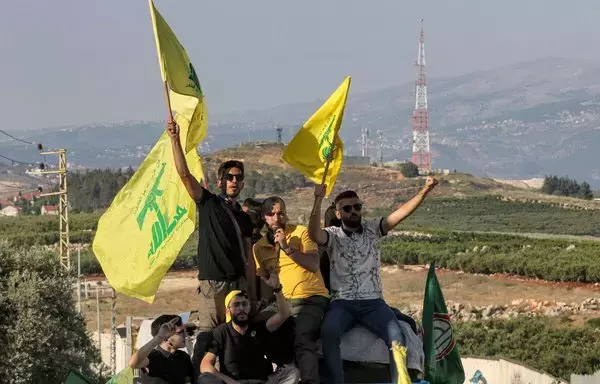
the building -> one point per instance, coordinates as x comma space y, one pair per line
10, 210
49, 210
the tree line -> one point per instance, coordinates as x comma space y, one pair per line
564, 186
95, 189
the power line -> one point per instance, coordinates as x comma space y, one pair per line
16, 138
15, 161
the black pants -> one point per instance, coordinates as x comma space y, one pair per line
307, 315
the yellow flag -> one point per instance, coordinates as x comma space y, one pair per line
318, 140
140, 235
177, 70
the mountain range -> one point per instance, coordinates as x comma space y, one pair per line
515, 122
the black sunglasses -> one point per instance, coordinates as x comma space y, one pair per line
348, 208
229, 177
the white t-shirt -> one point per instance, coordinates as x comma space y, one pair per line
355, 261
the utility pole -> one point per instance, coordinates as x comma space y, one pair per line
364, 141
380, 145
63, 207
113, 332
279, 138
79, 279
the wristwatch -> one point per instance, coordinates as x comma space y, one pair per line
278, 289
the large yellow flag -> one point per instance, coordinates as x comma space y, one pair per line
318, 140
152, 216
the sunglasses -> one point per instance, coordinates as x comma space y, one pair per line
348, 208
229, 177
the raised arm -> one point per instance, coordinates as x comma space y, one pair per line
283, 310
315, 232
409, 207
140, 358
189, 181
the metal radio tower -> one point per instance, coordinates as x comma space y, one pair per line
421, 155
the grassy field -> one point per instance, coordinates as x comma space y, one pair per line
492, 213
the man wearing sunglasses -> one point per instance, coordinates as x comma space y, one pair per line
224, 258
356, 290
240, 344
287, 250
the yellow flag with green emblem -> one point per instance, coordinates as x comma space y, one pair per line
318, 140
150, 219
179, 73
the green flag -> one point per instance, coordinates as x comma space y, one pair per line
76, 378
442, 360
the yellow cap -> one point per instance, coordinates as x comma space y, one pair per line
228, 298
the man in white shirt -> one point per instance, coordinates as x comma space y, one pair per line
356, 290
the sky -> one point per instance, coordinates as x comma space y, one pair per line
73, 62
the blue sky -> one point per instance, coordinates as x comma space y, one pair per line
69, 62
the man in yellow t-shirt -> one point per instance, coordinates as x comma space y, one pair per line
287, 250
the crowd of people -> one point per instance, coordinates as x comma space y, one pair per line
269, 289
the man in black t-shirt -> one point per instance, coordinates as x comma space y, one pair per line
224, 256
160, 359
240, 344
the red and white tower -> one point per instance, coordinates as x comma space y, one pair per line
421, 155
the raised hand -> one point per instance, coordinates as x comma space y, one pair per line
172, 129
430, 182
320, 190
168, 329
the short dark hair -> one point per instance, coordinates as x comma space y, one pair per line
330, 219
269, 202
226, 166
345, 195
162, 319
255, 212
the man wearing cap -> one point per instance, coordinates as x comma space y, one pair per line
287, 250
161, 359
240, 344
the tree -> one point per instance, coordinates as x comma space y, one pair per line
41, 333
409, 170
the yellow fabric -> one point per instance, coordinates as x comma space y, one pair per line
177, 70
399, 352
152, 216
298, 282
228, 299
313, 144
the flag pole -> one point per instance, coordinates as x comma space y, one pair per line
168, 101
326, 168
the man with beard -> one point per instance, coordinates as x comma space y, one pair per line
161, 359
224, 256
287, 250
356, 290
240, 344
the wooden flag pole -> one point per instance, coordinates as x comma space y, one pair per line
168, 101
329, 158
